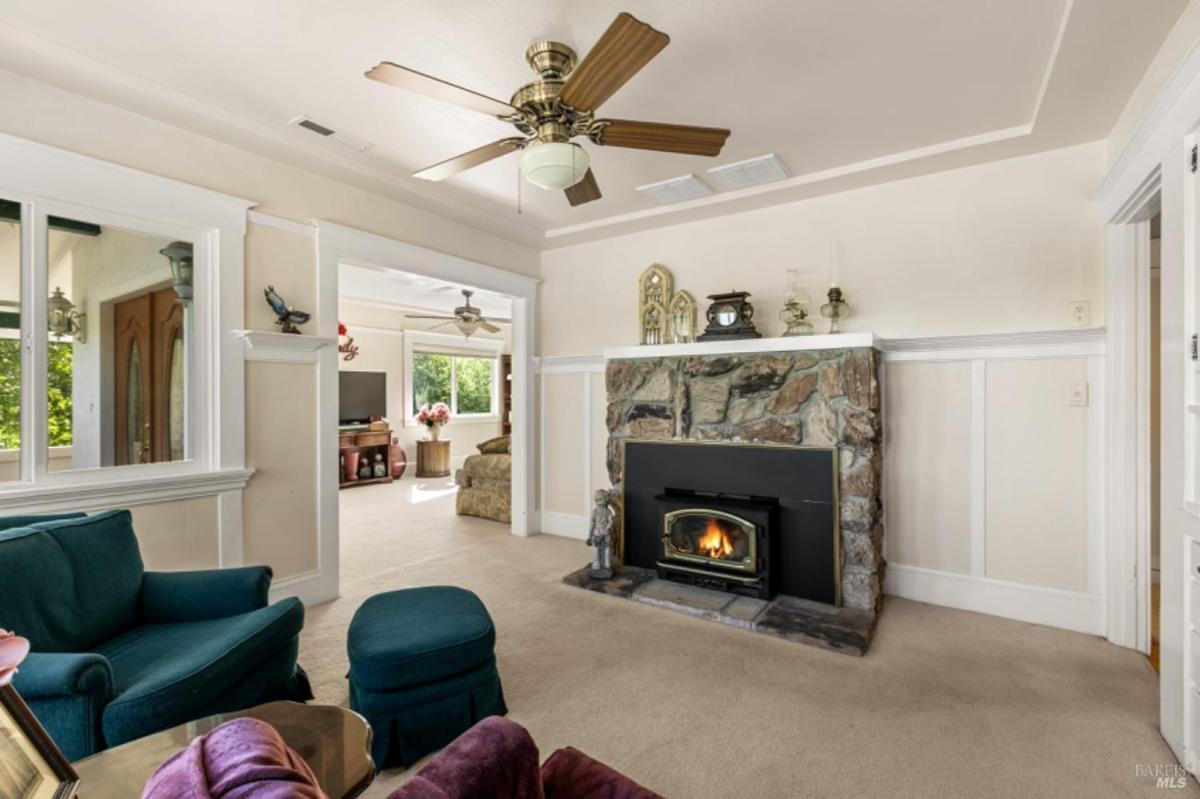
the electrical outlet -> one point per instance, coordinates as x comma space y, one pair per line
1077, 394
1081, 313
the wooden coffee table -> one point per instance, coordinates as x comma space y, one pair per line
335, 742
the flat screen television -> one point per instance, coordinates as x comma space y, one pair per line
361, 395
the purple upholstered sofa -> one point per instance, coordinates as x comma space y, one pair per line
497, 759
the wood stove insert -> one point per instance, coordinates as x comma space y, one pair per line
717, 541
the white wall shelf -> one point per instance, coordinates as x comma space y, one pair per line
266, 345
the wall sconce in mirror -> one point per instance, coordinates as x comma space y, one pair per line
179, 253
64, 319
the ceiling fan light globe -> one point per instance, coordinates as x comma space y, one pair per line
554, 165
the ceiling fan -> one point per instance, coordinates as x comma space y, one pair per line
560, 106
467, 318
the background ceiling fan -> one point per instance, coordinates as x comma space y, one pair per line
467, 318
560, 106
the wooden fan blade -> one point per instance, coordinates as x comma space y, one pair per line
461, 163
489, 327
447, 318
687, 139
626, 47
419, 82
584, 191
443, 324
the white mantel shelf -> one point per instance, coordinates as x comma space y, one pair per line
838, 341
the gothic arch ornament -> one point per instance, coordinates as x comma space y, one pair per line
683, 318
655, 292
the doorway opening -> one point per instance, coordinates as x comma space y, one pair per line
424, 414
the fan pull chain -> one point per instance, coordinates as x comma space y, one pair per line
519, 181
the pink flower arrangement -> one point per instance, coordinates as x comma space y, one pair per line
434, 415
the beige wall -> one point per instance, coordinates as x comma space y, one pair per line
179, 535
1000, 247
281, 447
1170, 56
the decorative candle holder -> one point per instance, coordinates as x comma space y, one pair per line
837, 308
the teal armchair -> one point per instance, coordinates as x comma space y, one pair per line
119, 652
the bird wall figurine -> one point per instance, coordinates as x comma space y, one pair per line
288, 317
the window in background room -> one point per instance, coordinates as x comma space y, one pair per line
10, 340
431, 380
466, 383
474, 384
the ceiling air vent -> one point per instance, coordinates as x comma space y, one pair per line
676, 190
751, 172
326, 132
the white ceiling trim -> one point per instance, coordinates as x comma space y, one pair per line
1058, 40
845, 170
800, 180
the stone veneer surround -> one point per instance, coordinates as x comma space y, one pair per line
819, 398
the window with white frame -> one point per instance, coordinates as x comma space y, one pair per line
464, 375
111, 321
466, 383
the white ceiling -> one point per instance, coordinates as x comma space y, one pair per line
845, 93
407, 291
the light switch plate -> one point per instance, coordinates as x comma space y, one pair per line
1077, 394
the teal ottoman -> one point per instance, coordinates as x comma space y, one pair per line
422, 670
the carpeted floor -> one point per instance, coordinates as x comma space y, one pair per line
945, 704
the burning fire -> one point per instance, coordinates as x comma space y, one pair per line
715, 543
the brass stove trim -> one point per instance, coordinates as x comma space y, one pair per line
746, 564
837, 488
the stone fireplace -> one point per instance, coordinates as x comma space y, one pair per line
801, 431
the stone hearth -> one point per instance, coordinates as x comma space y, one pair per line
801, 620
819, 397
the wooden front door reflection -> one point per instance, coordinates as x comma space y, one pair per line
149, 375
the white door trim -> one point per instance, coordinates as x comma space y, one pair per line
338, 244
1155, 163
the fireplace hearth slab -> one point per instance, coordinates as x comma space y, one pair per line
842, 630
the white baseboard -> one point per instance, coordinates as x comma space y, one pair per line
567, 525
306, 587
1054, 607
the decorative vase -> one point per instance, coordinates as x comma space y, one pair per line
350, 462
380, 469
435, 432
364, 469
398, 458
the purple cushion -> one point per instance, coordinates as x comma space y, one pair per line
240, 759
495, 759
570, 774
